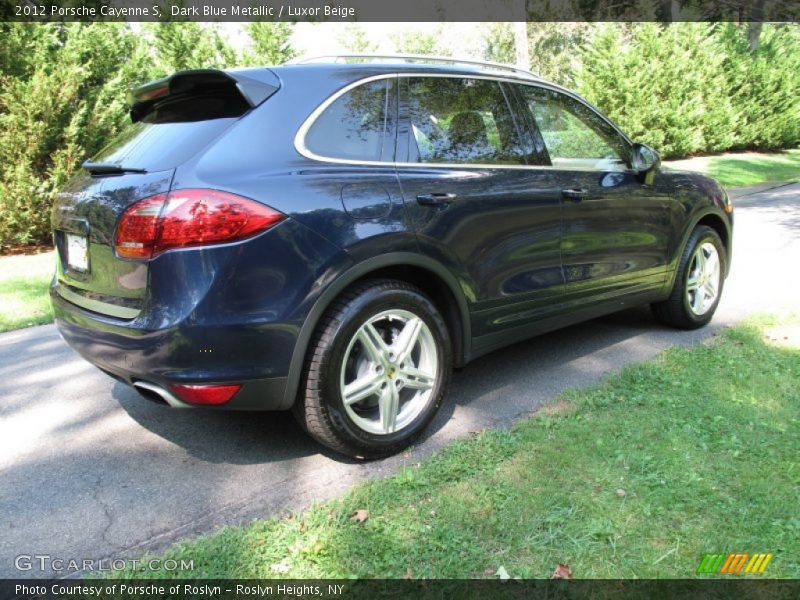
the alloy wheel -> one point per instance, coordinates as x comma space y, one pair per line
702, 284
389, 372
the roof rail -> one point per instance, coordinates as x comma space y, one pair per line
420, 58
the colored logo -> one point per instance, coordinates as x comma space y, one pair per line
734, 563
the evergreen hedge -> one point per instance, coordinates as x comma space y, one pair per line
685, 88
691, 88
63, 88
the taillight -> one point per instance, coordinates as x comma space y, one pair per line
205, 394
187, 218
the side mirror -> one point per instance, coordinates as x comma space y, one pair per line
645, 161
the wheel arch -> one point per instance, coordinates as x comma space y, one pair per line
436, 281
715, 219
718, 224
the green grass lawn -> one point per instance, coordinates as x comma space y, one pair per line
640, 476
747, 168
23, 290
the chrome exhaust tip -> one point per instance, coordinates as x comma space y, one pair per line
165, 395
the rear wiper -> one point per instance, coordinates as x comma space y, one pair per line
104, 168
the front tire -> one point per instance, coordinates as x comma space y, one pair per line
377, 370
698, 283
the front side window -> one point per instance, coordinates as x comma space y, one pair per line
359, 125
459, 121
576, 137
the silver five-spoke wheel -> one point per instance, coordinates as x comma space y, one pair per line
389, 372
702, 284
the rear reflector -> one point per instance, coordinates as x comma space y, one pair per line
205, 394
189, 218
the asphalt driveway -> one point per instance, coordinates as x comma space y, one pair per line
89, 470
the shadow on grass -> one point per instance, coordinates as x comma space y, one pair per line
671, 459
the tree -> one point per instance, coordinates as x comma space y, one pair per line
418, 42
762, 84
553, 48
499, 43
61, 99
271, 43
664, 85
181, 45
356, 40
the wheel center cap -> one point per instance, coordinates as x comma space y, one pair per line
391, 372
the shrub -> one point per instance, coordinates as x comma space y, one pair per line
63, 90
763, 85
663, 85
56, 110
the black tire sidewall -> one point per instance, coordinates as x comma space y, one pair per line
701, 236
356, 313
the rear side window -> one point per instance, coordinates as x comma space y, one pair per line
461, 121
161, 146
359, 125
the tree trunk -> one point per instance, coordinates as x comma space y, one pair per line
521, 45
756, 22
671, 10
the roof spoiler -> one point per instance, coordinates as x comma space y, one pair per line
252, 90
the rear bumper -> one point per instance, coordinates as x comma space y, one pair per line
255, 356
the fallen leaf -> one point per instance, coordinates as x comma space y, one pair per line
503, 574
562, 572
302, 526
360, 515
280, 568
621, 492
489, 570
409, 574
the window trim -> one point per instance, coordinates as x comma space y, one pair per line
300, 136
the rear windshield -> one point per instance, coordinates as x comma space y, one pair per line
161, 146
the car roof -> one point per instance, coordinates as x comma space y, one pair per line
389, 65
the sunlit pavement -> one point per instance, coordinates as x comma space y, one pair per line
89, 470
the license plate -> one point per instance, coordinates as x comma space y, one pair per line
77, 252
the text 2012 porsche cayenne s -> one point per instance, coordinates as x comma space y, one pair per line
335, 237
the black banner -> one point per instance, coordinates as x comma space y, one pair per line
559, 589
405, 11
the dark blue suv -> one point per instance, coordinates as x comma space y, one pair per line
335, 237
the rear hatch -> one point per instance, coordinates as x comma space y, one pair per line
172, 120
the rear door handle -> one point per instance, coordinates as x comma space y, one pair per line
438, 199
575, 194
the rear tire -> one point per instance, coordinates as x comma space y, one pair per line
698, 283
377, 370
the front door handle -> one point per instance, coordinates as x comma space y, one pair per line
438, 199
575, 194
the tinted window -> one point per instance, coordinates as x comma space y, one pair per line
576, 137
157, 147
359, 125
456, 120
